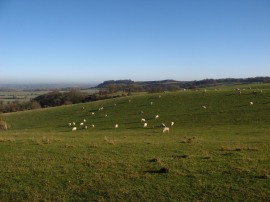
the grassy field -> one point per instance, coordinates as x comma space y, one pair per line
220, 153
19, 95
27, 95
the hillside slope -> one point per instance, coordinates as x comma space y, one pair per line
220, 153
224, 107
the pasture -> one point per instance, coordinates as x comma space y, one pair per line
19, 95
217, 153
27, 95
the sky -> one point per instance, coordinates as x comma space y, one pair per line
90, 41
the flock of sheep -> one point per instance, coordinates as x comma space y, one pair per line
143, 120
83, 125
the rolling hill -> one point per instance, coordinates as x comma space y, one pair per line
220, 152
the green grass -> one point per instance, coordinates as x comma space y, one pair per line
218, 154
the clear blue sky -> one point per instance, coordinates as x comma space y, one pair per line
85, 41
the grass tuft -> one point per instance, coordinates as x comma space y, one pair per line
9, 139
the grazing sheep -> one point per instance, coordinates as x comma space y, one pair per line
172, 123
74, 128
157, 116
204, 107
81, 124
143, 120
93, 113
251, 103
145, 125
151, 103
141, 112
74, 123
106, 115
69, 124
84, 120
83, 107
85, 127
116, 125
93, 126
166, 129
163, 125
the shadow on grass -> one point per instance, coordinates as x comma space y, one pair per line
184, 156
160, 171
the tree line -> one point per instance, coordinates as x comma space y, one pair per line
172, 85
53, 99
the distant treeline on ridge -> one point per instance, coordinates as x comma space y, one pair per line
171, 85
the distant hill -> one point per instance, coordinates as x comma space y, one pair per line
115, 82
164, 84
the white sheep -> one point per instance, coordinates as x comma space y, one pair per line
166, 129
116, 125
151, 103
74, 128
163, 125
251, 103
81, 124
157, 116
85, 127
204, 107
93, 113
145, 125
106, 115
84, 120
172, 123
93, 126
74, 123
69, 124
143, 120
